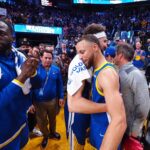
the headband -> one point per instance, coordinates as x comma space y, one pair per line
100, 34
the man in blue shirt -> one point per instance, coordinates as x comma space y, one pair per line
15, 88
46, 97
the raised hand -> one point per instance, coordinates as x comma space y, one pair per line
28, 69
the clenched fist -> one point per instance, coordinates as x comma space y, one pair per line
28, 69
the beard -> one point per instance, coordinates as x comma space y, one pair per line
88, 64
5, 45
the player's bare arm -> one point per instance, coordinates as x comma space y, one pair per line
77, 103
108, 82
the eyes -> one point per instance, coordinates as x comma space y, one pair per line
81, 51
48, 58
105, 41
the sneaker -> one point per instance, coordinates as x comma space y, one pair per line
44, 142
54, 135
37, 132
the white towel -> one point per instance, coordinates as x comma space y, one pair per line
76, 74
19, 60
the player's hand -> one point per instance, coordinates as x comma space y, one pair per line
28, 69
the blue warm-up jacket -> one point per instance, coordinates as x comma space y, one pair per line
13, 103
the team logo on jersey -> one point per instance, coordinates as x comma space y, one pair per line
1, 73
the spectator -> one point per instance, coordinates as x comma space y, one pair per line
137, 102
139, 57
46, 97
35, 52
110, 53
41, 47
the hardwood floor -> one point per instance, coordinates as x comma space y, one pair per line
35, 143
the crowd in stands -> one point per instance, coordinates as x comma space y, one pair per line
75, 20
118, 22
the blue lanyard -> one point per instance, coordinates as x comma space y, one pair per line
42, 89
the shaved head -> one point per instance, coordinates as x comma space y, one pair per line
6, 38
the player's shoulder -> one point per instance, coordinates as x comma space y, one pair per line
108, 73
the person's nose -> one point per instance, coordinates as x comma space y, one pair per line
80, 56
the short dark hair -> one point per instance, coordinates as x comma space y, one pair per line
90, 38
126, 49
42, 44
94, 28
46, 51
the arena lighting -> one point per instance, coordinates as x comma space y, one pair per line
46, 3
105, 1
3, 1
37, 29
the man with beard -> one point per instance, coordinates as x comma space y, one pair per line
15, 87
98, 31
78, 134
105, 91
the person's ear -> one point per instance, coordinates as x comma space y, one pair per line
95, 47
120, 56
